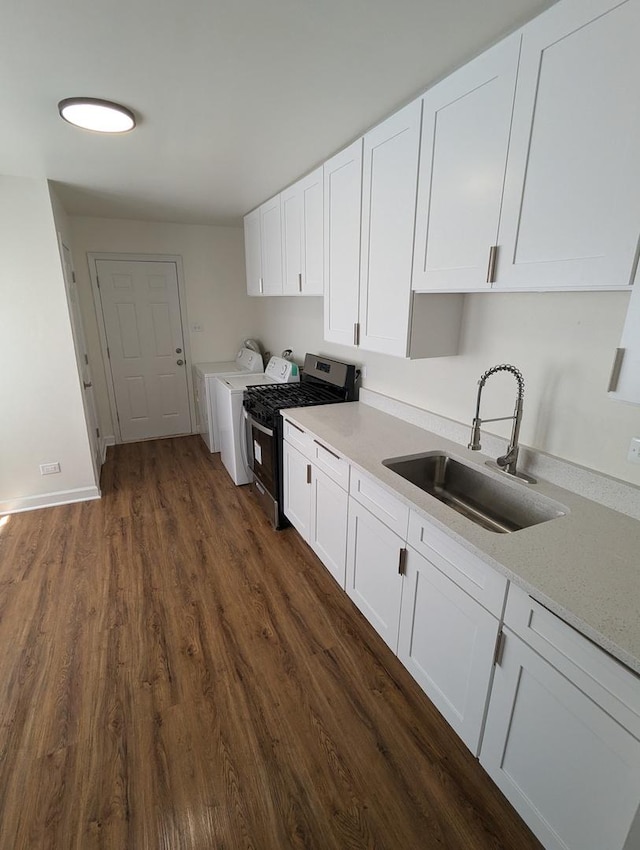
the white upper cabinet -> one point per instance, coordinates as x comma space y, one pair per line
271, 241
390, 174
253, 252
342, 213
302, 236
465, 137
263, 249
571, 207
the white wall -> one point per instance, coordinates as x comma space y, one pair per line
213, 263
42, 419
563, 343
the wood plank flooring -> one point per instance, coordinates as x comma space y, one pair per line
175, 675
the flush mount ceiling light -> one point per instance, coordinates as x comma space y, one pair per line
101, 116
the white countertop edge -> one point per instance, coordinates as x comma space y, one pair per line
616, 651
611, 492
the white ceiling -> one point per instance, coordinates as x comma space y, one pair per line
235, 98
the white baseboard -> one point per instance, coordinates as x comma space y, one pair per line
48, 500
104, 442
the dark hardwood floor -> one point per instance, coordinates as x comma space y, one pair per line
175, 675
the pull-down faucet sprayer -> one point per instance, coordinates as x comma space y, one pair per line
508, 461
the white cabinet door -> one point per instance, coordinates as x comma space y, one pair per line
447, 643
328, 528
296, 471
374, 581
312, 193
390, 181
271, 243
291, 209
302, 236
342, 209
571, 207
465, 136
253, 252
569, 768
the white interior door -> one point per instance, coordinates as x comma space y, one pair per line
143, 327
82, 359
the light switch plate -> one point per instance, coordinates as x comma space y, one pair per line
49, 468
634, 450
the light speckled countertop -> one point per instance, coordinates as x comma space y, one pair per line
584, 566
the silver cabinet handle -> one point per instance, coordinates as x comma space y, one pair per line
491, 268
300, 282
261, 285
308, 473
615, 370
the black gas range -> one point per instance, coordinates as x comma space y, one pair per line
322, 381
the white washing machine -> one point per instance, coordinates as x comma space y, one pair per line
229, 394
247, 361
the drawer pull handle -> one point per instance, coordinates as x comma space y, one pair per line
333, 454
296, 427
402, 562
308, 473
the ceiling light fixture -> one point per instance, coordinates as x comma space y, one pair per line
101, 116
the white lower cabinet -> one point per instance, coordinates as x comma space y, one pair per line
297, 489
315, 503
562, 734
556, 721
375, 556
447, 643
328, 532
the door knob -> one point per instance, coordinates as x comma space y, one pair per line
179, 362
178, 351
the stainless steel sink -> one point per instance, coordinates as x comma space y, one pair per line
500, 505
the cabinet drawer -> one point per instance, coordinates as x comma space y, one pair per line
299, 438
471, 574
608, 682
337, 468
391, 511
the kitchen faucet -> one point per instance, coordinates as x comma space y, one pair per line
508, 461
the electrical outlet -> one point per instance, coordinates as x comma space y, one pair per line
49, 468
197, 328
634, 450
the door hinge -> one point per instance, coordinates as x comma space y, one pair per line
499, 650
98, 433
98, 281
73, 276
402, 562
108, 353
356, 333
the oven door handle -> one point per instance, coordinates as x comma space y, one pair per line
267, 431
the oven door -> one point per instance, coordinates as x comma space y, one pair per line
262, 455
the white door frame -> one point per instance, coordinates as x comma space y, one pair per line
176, 259
80, 346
